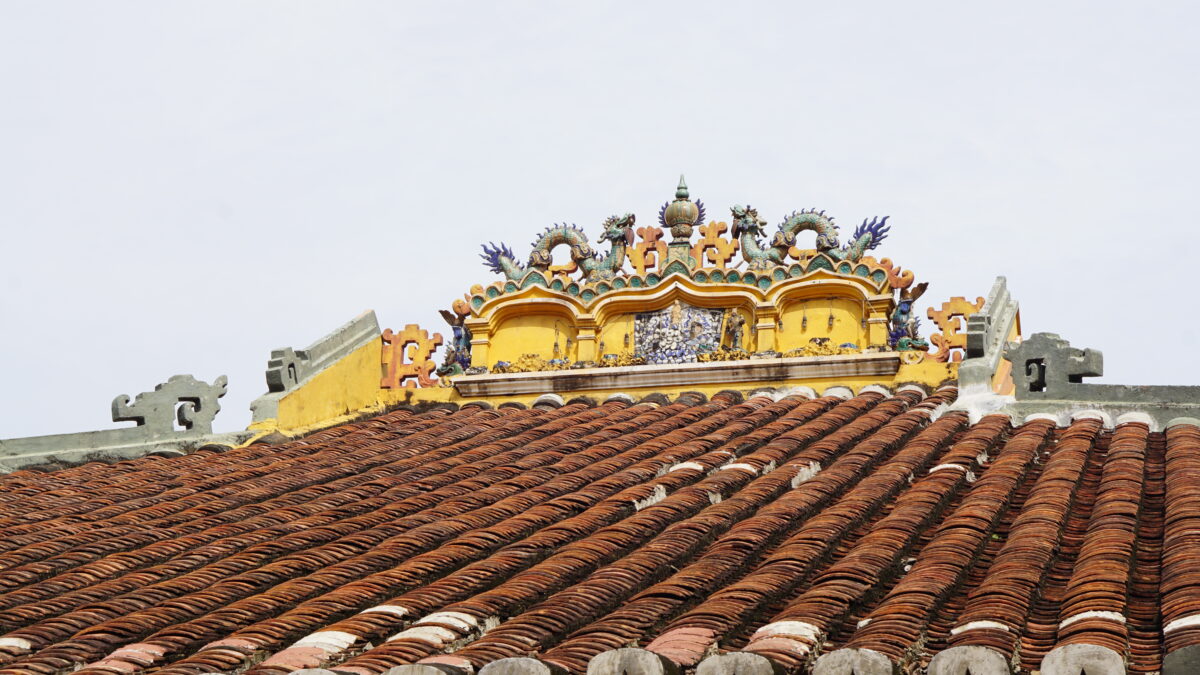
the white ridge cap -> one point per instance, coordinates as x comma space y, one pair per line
739, 466
803, 392
433, 635
795, 628
1092, 414
551, 399
965, 469
686, 465
19, 643
461, 621
1094, 614
387, 609
327, 640
1138, 418
978, 625
839, 391
940, 467
877, 388
1043, 416
1181, 422
1182, 622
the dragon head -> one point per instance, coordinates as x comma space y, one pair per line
618, 228
745, 219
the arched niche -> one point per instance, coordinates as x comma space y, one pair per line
615, 313
832, 309
532, 325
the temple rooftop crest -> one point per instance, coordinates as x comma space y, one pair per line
735, 292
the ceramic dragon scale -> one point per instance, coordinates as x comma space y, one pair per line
747, 227
617, 229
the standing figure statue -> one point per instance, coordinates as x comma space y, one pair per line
458, 352
733, 330
903, 334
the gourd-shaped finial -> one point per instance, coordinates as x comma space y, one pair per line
682, 214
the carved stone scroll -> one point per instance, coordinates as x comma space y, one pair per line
408, 358
182, 399
1047, 366
286, 368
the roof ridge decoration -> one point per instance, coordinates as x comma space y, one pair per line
640, 311
289, 368
1048, 376
173, 417
692, 301
1042, 376
602, 274
182, 398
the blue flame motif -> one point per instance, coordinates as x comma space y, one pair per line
876, 227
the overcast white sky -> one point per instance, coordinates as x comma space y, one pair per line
185, 186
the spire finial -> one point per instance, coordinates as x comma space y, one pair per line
681, 192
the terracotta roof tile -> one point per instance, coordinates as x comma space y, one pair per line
778, 530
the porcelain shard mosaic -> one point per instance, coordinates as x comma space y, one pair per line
677, 334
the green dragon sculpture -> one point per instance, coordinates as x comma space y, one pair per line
747, 227
617, 229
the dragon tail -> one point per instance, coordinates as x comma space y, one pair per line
871, 233
500, 260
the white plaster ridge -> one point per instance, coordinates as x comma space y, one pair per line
328, 640
432, 635
979, 625
549, 399
463, 622
800, 629
19, 643
396, 610
1093, 414
839, 392
978, 405
1138, 417
1094, 614
802, 392
740, 467
1182, 421
1182, 622
657, 495
913, 388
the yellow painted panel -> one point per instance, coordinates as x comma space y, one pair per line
928, 372
344, 387
617, 335
810, 318
532, 334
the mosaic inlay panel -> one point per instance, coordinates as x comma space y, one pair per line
677, 334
